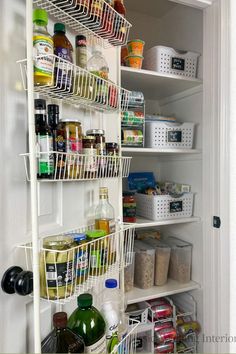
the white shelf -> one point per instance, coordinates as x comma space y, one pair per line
170, 288
154, 85
142, 223
151, 151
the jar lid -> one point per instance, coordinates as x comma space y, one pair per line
79, 237
96, 233
70, 120
88, 137
57, 242
95, 132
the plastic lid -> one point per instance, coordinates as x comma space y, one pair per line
40, 15
111, 283
96, 233
59, 27
53, 109
79, 237
95, 132
70, 120
39, 104
89, 137
60, 319
85, 300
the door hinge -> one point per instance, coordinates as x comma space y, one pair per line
216, 222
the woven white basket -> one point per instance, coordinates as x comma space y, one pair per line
167, 60
162, 207
169, 135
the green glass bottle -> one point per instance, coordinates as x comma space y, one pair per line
87, 322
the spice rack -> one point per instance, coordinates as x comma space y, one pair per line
106, 27
82, 88
71, 167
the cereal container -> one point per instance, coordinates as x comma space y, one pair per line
180, 260
129, 272
144, 265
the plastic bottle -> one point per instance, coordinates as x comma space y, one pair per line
111, 312
43, 46
62, 339
88, 322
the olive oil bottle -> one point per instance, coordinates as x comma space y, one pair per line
104, 213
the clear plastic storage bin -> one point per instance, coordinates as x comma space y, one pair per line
144, 265
180, 260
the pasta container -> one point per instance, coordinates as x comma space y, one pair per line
144, 265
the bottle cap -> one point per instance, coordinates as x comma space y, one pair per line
60, 319
96, 233
39, 104
59, 27
85, 300
79, 237
111, 283
53, 109
95, 132
40, 15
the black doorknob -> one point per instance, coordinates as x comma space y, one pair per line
17, 281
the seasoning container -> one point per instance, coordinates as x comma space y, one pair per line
99, 135
129, 207
98, 251
90, 164
82, 257
57, 267
144, 265
113, 162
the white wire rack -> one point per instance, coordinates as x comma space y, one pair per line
95, 19
127, 344
77, 86
64, 274
75, 167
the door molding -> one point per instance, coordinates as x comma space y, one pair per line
195, 3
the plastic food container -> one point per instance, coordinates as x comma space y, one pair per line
135, 47
162, 259
134, 61
129, 272
144, 265
180, 260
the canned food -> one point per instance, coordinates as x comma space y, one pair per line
82, 258
160, 309
165, 334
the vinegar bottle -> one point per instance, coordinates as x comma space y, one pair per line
104, 213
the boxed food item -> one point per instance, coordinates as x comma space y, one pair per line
144, 265
180, 259
162, 259
129, 272
138, 312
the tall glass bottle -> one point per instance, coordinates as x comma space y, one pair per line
62, 339
104, 213
43, 47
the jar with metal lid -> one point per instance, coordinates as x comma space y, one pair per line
98, 251
113, 161
100, 141
81, 258
90, 165
57, 278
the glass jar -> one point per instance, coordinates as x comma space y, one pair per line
99, 135
81, 258
129, 207
90, 166
113, 161
57, 278
98, 251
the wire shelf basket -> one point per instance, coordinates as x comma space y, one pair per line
127, 344
77, 167
66, 273
95, 19
77, 86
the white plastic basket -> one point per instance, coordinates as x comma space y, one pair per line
169, 135
167, 60
162, 207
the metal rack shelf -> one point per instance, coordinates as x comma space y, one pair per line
78, 87
95, 19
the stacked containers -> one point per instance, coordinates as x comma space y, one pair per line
134, 59
144, 265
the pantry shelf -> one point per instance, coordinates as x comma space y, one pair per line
172, 287
151, 151
154, 85
78, 87
143, 223
98, 21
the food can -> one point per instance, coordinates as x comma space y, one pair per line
82, 257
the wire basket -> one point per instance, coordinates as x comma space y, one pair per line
77, 86
127, 344
64, 274
95, 19
75, 167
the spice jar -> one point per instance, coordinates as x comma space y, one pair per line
99, 135
98, 251
81, 259
129, 207
90, 165
113, 164
57, 267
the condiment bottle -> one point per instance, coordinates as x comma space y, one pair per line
43, 45
53, 120
99, 252
81, 51
64, 50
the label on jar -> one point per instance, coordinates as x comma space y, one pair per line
82, 263
59, 274
60, 143
98, 258
45, 161
43, 45
63, 72
74, 145
97, 348
90, 161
